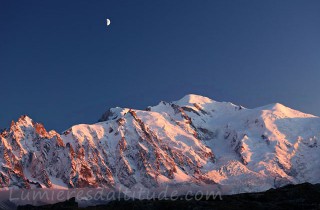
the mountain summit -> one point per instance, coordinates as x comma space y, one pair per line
194, 140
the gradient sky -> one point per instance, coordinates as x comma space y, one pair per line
61, 65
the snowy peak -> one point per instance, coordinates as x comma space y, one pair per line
283, 111
26, 126
113, 113
23, 121
194, 140
193, 99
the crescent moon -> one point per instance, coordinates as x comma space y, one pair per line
108, 22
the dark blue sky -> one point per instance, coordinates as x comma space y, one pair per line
61, 65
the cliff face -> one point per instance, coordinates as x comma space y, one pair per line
193, 140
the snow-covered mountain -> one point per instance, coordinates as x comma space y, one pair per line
193, 140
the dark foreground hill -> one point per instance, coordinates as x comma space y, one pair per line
301, 196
